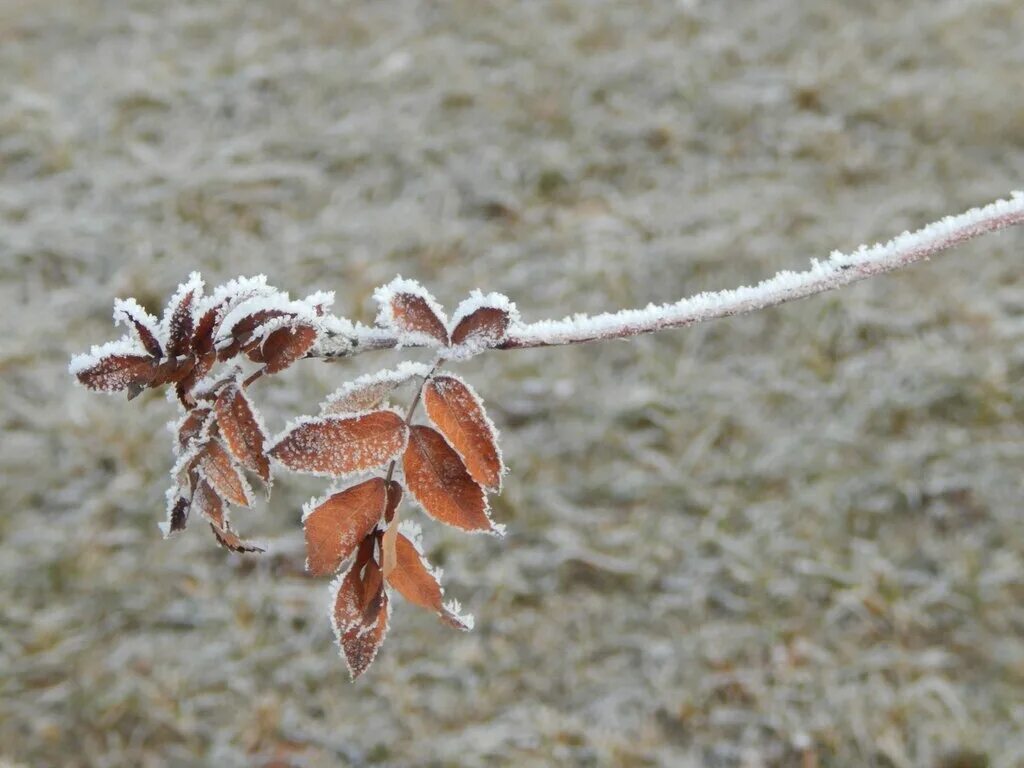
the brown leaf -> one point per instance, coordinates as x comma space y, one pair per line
184, 387
335, 527
173, 369
286, 345
360, 615
335, 445
205, 332
438, 480
191, 426
230, 540
394, 499
460, 416
116, 372
180, 323
412, 313
242, 331
208, 504
417, 582
129, 311
485, 327
241, 429
223, 475
368, 392
412, 578
177, 516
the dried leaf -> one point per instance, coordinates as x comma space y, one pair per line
409, 309
242, 330
359, 638
205, 332
207, 504
184, 387
191, 426
438, 480
224, 476
286, 345
368, 392
177, 514
336, 526
129, 312
242, 430
336, 445
459, 414
394, 499
413, 578
230, 540
173, 369
420, 584
484, 327
113, 371
179, 320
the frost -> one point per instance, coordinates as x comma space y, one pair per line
234, 291
454, 608
320, 300
413, 531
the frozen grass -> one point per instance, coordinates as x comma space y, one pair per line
793, 536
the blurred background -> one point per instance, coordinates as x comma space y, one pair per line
788, 539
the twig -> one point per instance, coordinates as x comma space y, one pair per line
839, 270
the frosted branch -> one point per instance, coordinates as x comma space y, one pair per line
839, 270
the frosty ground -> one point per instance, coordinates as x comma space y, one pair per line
789, 538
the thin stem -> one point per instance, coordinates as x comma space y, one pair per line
412, 412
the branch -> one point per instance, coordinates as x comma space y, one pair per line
839, 270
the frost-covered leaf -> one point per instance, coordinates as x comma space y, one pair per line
192, 426
179, 320
368, 392
230, 540
407, 308
207, 504
184, 387
459, 414
482, 321
172, 370
232, 341
113, 367
132, 315
419, 583
178, 506
438, 480
214, 309
361, 611
336, 445
242, 430
224, 476
286, 345
335, 526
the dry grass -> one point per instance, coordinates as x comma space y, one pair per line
789, 539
